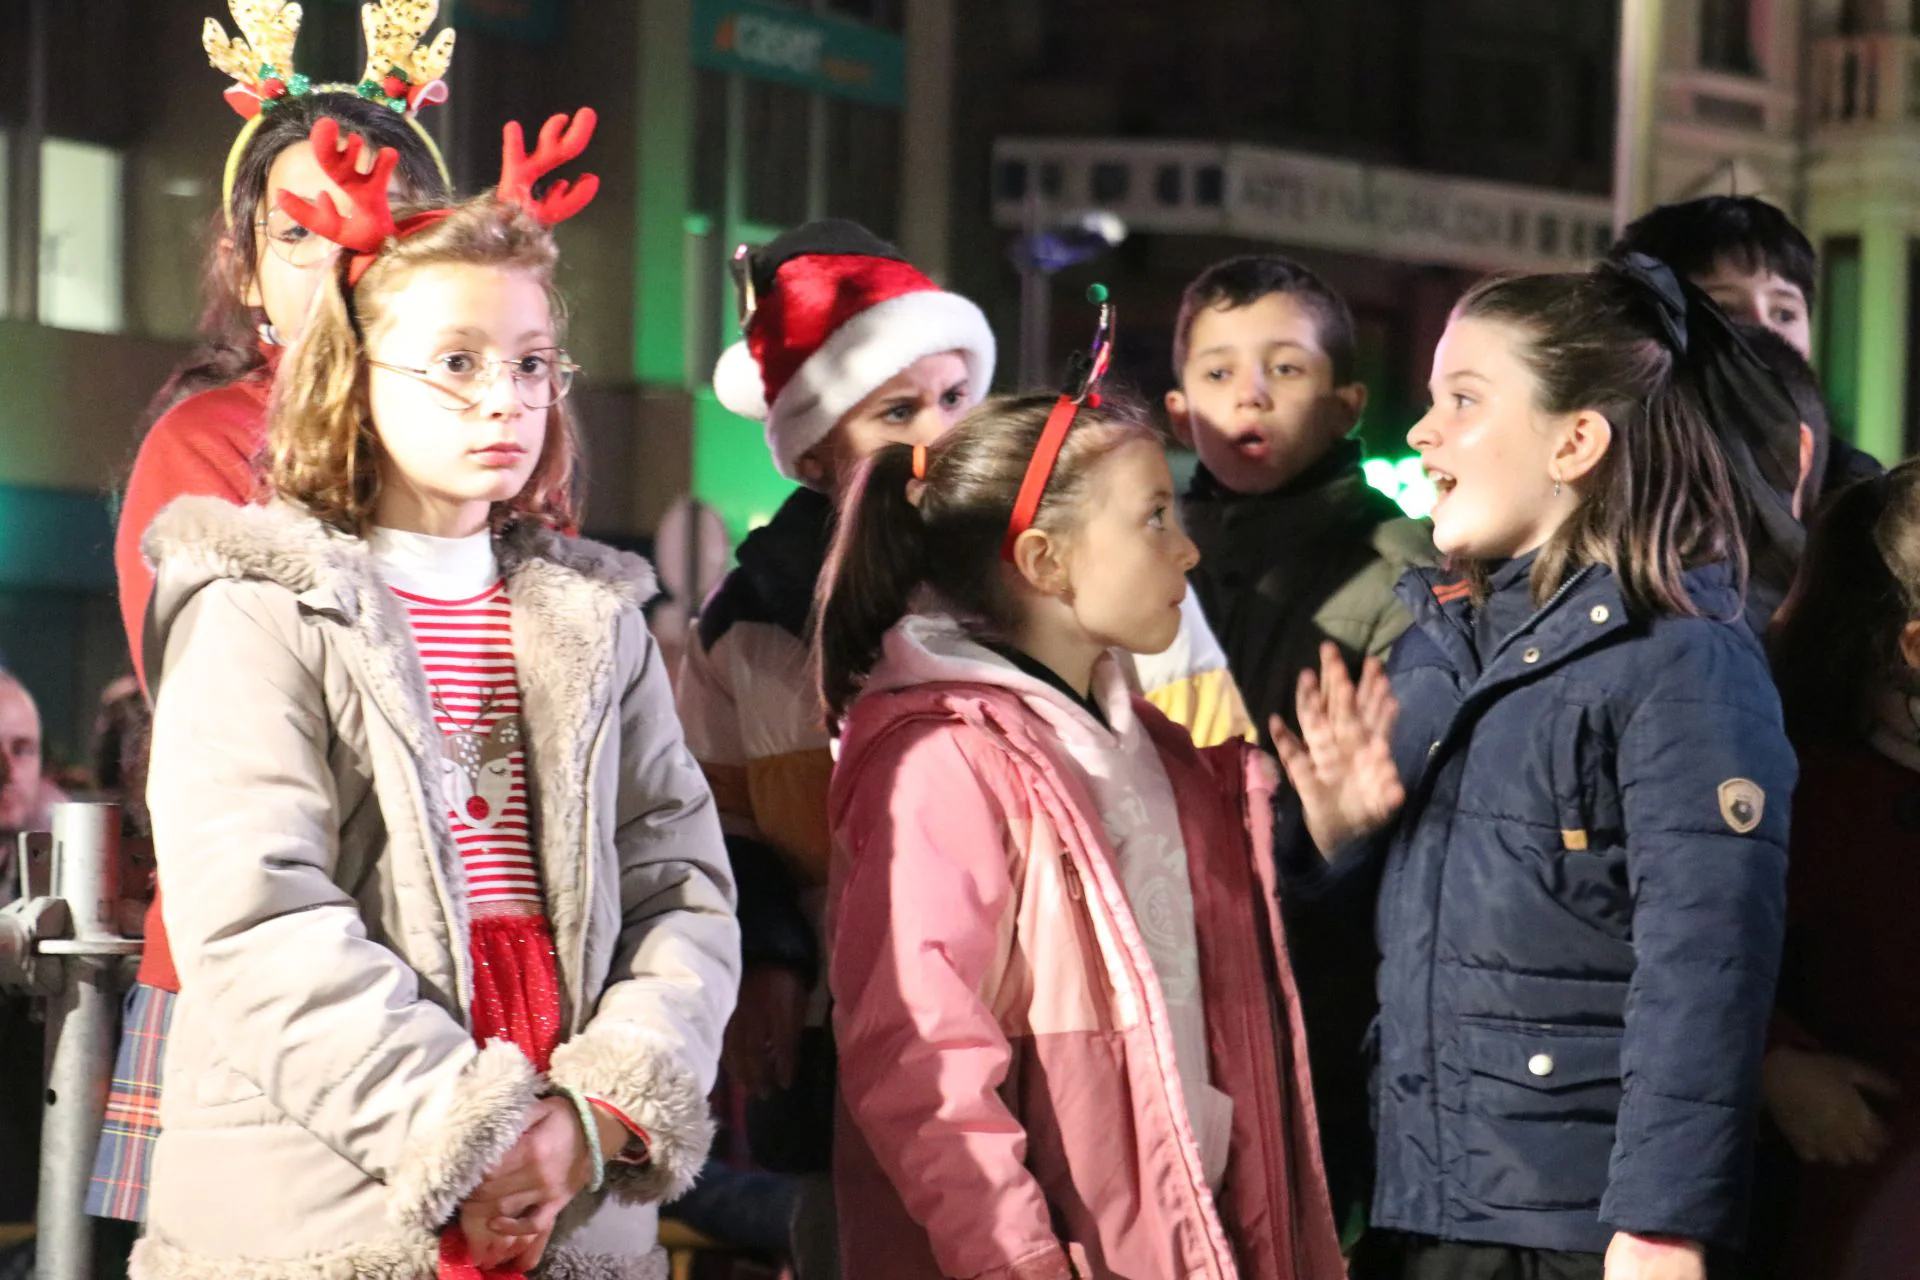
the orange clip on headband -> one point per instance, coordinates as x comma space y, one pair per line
1053, 436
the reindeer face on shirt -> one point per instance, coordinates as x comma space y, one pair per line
476, 770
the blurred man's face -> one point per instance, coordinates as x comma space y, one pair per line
19, 757
1762, 298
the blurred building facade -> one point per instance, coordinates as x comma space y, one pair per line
1404, 147
1400, 147
720, 121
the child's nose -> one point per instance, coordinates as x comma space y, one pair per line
1423, 435
1189, 553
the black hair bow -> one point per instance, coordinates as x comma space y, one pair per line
1747, 405
1660, 287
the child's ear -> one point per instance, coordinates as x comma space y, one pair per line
1180, 417
1353, 402
815, 470
1910, 643
1806, 471
1041, 561
1587, 437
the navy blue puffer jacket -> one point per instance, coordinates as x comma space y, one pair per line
1580, 920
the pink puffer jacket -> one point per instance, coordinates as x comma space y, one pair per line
1011, 1104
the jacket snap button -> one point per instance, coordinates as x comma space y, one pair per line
1432, 749
1600, 614
1530, 657
1540, 1064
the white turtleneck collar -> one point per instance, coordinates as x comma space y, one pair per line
437, 568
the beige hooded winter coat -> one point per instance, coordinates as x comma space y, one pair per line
325, 1109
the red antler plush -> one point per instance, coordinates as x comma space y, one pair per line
559, 143
370, 222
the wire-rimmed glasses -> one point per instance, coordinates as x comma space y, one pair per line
292, 243
461, 379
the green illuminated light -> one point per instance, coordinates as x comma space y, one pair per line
1403, 480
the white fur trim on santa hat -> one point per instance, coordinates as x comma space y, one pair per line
738, 384
862, 354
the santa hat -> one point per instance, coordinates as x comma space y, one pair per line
833, 312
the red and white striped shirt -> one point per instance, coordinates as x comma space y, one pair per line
466, 647
462, 622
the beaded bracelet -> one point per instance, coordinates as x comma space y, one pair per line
591, 1129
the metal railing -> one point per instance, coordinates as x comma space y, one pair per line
60, 942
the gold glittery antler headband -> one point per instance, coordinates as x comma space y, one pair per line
401, 72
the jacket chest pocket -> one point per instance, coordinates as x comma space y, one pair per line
1586, 799
1541, 1108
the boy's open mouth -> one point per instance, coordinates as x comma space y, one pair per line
1253, 446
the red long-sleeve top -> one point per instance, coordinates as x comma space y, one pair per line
206, 444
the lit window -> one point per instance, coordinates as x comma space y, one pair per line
80, 237
6, 256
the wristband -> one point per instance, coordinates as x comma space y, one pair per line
590, 1131
639, 1148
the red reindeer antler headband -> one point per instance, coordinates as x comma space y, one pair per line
369, 224
1053, 437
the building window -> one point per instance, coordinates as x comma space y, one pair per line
1110, 182
1910, 431
1169, 185
1052, 180
6, 244
1726, 36
709, 193
1210, 186
776, 145
863, 165
1840, 332
81, 252
1010, 180
888, 15
1548, 237
1502, 100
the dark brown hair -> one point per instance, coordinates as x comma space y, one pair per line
896, 536
230, 348
1241, 282
1695, 236
1660, 501
1803, 388
1859, 585
322, 449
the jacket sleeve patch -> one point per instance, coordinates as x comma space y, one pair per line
1742, 804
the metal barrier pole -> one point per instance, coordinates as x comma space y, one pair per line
81, 1020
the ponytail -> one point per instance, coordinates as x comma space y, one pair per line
941, 530
878, 558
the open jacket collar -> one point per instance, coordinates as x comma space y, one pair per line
566, 595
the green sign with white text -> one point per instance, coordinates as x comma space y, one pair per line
819, 54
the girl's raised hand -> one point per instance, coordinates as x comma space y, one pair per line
1341, 761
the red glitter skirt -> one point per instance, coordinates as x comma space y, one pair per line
516, 996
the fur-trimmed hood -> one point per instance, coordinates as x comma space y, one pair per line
323, 1090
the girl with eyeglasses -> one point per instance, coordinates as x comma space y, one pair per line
261, 272
451, 905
